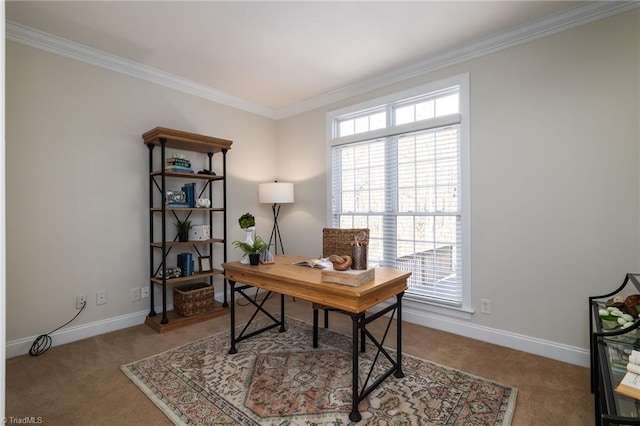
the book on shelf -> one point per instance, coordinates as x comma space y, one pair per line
179, 162
179, 169
630, 383
314, 263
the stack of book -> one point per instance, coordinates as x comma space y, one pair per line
177, 163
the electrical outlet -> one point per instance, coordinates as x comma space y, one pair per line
81, 301
101, 297
485, 306
145, 292
135, 294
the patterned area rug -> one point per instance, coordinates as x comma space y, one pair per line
280, 379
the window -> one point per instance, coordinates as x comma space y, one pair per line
399, 166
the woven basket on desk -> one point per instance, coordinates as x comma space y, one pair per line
338, 241
193, 299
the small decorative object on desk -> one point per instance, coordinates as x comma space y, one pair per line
359, 252
266, 258
248, 223
253, 250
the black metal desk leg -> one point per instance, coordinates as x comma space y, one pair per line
355, 416
315, 328
233, 349
282, 328
399, 373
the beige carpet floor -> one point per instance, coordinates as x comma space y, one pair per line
81, 383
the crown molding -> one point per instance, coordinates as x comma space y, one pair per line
552, 24
580, 15
70, 49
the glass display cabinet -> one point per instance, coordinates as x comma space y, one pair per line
613, 335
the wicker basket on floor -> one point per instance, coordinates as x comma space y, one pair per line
193, 299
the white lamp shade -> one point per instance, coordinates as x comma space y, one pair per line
275, 193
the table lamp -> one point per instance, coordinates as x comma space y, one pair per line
275, 193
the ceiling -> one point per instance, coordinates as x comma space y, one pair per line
277, 57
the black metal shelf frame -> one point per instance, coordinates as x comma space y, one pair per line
161, 189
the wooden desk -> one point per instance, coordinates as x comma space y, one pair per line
302, 282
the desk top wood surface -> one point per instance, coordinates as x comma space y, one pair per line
286, 278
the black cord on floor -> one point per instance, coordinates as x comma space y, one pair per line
43, 341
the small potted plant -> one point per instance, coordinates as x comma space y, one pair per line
182, 226
247, 221
254, 250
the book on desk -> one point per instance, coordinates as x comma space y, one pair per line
350, 277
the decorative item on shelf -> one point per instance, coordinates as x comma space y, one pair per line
174, 272
275, 193
203, 203
248, 223
204, 264
183, 227
253, 250
207, 172
199, 232
175, 198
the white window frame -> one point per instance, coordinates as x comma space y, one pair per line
462, 118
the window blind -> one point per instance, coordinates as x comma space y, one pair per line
404, 185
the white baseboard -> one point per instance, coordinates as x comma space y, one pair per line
545, 348
72, 334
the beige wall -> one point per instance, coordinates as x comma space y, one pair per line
554, 177
77, 183
554, 169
